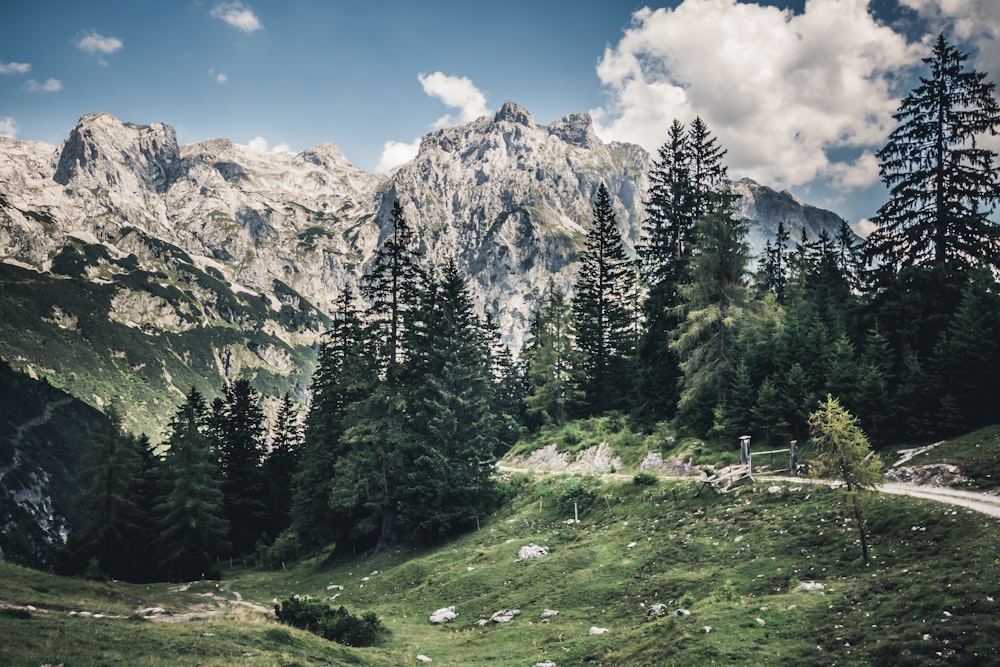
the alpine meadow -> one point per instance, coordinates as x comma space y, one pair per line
529, 398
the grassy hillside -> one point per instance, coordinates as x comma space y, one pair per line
732, 561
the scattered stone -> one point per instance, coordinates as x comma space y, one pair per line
152, 611
682, 612
706, 629
424, 658
927, 637
792, 606
483, 621
505, 616
760, 621
658, 609
739, 538
594, 630
334, 586
808, 586
935, 474
548, 613
547, 663
774, 489
630, 545
443, 615
532, 551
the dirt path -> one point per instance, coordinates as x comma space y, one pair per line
979, 501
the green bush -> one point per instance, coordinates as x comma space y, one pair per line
645, 479
337, 625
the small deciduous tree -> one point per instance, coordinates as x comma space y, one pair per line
844, 452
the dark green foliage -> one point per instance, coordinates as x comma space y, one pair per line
943, 183
554, 372
336, 624
115, 514
605, 323
281, 463
237, 433
189, 515
713, 306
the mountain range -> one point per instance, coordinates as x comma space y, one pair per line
134, 268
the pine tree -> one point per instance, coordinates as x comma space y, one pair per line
239, 435
389, 286
604, 322
713, 306
943, 182
553, 362
449, 482
346, 371
281, 463
965, 365
193, 534
113, 513
707, 171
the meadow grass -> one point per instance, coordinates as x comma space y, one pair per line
733, 561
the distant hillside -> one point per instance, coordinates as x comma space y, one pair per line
44, 432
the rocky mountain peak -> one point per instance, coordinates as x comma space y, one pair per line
103, 152
576, 129
511, 112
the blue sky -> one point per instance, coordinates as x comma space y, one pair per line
800, 92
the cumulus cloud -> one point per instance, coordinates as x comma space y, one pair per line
457, 92
92, 42
261, 145
237, 15
975, 22
48, 86
220, 77
395, 153
8, 127
14, 68
780, 90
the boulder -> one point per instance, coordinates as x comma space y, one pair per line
443, 615
594, 630
532, 551
504, 616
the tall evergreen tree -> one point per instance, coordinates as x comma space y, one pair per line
239, 434
281, 463
113, 513
193, 533
553, 374
604, 322
713, 306
346, 372
389, 286
942, 180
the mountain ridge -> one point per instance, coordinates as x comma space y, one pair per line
237, 256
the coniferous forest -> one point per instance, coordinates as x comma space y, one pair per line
414, 399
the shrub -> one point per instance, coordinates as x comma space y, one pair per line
337, 625
645, 479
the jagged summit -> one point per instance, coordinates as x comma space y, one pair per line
512, 112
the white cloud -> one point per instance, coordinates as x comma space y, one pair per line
14, 68
976, 22
237, 15
456, 92
779, 90
92, 42
220, 77
395, 153
8, 127
864, 228
261, 145
49, 86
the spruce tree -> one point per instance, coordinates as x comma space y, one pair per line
604, 321
553, 363
346, 371
192, 531
712, 309
239, 434
113, 513
943, 182
281, 463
